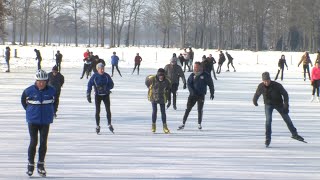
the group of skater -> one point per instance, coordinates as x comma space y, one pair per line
41, 99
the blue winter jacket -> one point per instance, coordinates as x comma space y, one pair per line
39, 104
102, 84
197, 85
114, 60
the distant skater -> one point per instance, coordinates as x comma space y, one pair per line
38, 58
137, 62
281, 63
305, 60
230, 61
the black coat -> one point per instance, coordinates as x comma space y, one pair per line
274, 94
56, 81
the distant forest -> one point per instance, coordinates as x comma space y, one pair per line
284, 25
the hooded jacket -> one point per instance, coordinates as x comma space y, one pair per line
159, 91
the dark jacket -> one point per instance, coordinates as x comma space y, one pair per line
102, 84
58, 57
94, 64
281, 63
197, 85
56, 81
174, 72
230, 58
207, 65
274, 94
39, 104
159, 91
137, 60
39, 58
7, 53
222, 58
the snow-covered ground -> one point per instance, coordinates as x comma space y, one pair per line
230, 146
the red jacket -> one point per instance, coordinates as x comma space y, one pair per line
315, 73
86, 54
137, 59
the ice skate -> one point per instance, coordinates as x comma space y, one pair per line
30, 169
111, 128
181, 127
199, 126
98, 129
42, 172
165, 129
153, 128
312, 98
267, 142
298, 137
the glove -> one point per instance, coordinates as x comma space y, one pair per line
212, 96
255, 103
184, 86
169, 104
285, 108
89, 98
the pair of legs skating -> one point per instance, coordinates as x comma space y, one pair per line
106, 101
163, 117
192, 100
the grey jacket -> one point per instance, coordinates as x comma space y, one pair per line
174, 72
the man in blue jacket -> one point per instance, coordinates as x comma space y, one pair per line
38, 101
197, 85
102, 84
114, 63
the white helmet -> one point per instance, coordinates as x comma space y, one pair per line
41, 75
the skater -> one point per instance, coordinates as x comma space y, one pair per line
159, 93
38, 101
281, 63
186, 56
173, 72
102, 83
222, 58
114, 63
208, 65
56, 80
305, 60
87, 64
197, 85
96, 60
7, 53
39, 58
275, 97
58, 60
315, 82
230, 61
137, 61
191, 56
318, 58
182, 61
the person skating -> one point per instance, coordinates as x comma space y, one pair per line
197, 86
38, 57
114, 63
7, 58
274, 97
281, 63
173, 72
96, 60
315, 82
38, 101
58, 60
182, 61
87, 63
137, 62
230, 61
159, 93
191, 56
222, 58
305, 60
102, 83
186, 56
208, 65
56, 80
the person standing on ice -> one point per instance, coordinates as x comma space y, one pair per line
137, 62
87, 63
39, 58
56, 80
197, 85
222, 58
281, 63
208, 65
174, 72
230, 61
58, 60
38, 100
159, 93
102, 83
7, 53
305, 60
315, 82
274, 97
114, 63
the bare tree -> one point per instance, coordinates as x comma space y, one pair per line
27, 4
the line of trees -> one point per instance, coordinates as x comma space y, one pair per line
292, 25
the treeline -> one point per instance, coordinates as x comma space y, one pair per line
287, 25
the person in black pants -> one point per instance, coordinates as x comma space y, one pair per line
197, 85
58, 60
56, 80
38, 100
7, 53
281, 63
39, 58
230, 61
102, 84
305, 60
222, 58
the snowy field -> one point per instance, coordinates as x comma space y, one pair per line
230, 146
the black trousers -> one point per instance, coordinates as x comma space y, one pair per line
117, 70
281, 69
39, 64
57, 100
315, 87
58, 64
174, 89
306, 68
33, 131
192, 100
8, 64
155, 110
86, 69
136, 66
219, 68
106, 101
